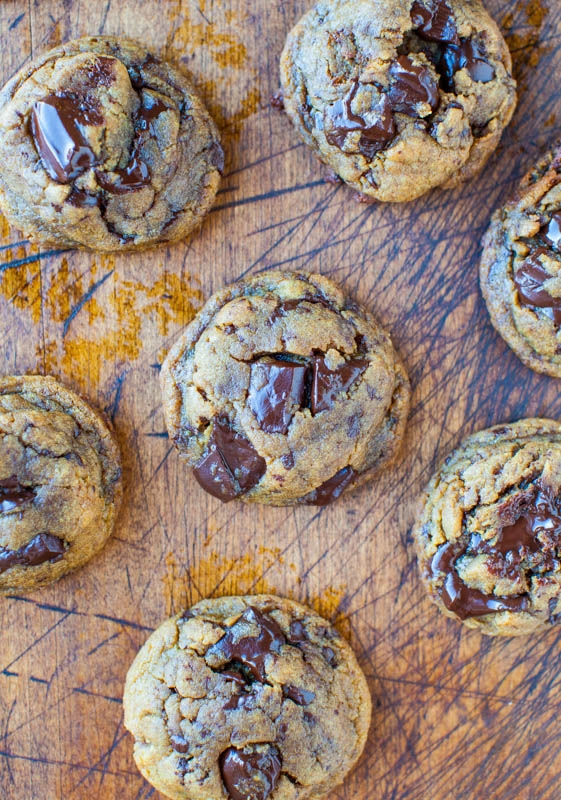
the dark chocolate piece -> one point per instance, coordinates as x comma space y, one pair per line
329, 655
298, 633
302, 697
552, 231
331, 489
57, 126
276, 391
230, 466
460, 598
251, 773
537, 528
13, 494
136, 174
179, 744
81, 199
252, 651
237, 701
43, 547
434, 21
529, 279
102, 71
469, 55
411, 85
328, 383
374, 136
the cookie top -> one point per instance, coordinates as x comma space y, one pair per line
247, 698
105, 147
60, 482
520, 272
489, 533
284, 391
399, 96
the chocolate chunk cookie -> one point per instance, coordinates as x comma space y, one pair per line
399, 96
247, 698
283, 391
105, 147
60, 482
520, 271
489, 534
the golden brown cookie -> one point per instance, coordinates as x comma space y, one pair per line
282, 391
105, 147
489, 532
399, 96
247, 698
520, 272
60, 482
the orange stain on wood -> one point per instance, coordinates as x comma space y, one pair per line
21, 285
525, 46
223, 37
251, 573
102, 318
216, 576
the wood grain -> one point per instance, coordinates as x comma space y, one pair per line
456, 715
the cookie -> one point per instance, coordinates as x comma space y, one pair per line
284, 391
489, 533
399, 96
520, 272
246, 698
60, 482
105, 147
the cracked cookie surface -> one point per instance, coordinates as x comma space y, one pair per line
248, 698
520, 271
399, 97
105, 147
284, 391
489, 533
60, 482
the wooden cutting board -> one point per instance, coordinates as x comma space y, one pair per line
456, 715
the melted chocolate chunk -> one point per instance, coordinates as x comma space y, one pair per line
236, 676
252, 651
251, 773
434, 21
552, 231
230, 466
43, 547
329, 655
537, 529
460, 598
151, 109
529, 279
469, 55
136, 174
276, 391
328, 383
288, 460
331, 489
179, 744
298, 633
57, 126
237, 701
13, 494
301, 697
374, 136
102, 71
81, 199
410, 86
